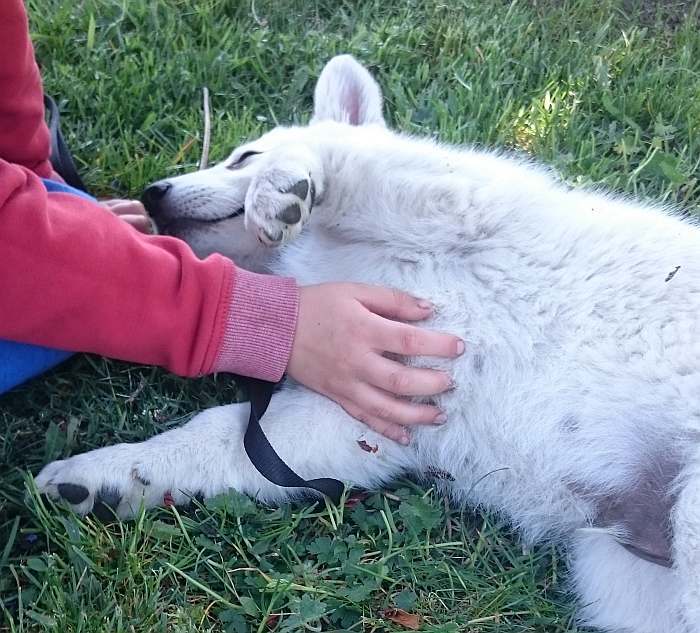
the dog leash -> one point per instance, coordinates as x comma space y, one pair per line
60, 157
264, 457
258, 448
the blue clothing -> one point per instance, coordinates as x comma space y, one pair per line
19, 361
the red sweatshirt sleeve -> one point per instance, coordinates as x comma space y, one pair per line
75, 277
24, 137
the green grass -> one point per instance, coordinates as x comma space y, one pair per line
605, 91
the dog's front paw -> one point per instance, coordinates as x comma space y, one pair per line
109, 482
280, 200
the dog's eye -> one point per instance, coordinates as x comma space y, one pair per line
241, 159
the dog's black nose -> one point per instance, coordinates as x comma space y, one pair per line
153, 195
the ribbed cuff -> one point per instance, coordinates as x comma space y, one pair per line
259, 330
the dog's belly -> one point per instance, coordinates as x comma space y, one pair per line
558, 409
553, 457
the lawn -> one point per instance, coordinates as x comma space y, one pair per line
605, 91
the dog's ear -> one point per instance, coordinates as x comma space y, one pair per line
346, 93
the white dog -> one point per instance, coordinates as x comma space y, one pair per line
577, 408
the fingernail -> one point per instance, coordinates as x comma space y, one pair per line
405, 439
425, 305
460, 348
440, 419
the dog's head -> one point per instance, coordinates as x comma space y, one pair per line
207, 208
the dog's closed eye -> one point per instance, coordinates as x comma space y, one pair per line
238, 162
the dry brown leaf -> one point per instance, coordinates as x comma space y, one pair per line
403, 618
272, 621
356, 498
367, 447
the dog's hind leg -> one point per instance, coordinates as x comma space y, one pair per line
206, 457
621, 592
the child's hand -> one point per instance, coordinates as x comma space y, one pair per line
343, 333
132, 212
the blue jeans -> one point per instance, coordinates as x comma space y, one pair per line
18, 361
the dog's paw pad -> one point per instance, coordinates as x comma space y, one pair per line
73, 493
300, 189
290, 214
279, 202
106, 503
111, 482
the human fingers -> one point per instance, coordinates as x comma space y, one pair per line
139, 222
393, 377
390, 430
125, 207
392, 303
409, 340
378, 404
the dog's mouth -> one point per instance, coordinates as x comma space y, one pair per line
179, 224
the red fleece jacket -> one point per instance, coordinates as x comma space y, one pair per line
75, 277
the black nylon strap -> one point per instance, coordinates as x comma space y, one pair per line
61, 158
264, 457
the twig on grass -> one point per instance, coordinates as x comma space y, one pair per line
204, 160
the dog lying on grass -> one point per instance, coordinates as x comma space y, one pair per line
576, 412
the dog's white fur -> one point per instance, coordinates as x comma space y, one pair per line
580, 387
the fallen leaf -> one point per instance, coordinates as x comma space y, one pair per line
367, 447
272, 621
402, 618
355, 499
